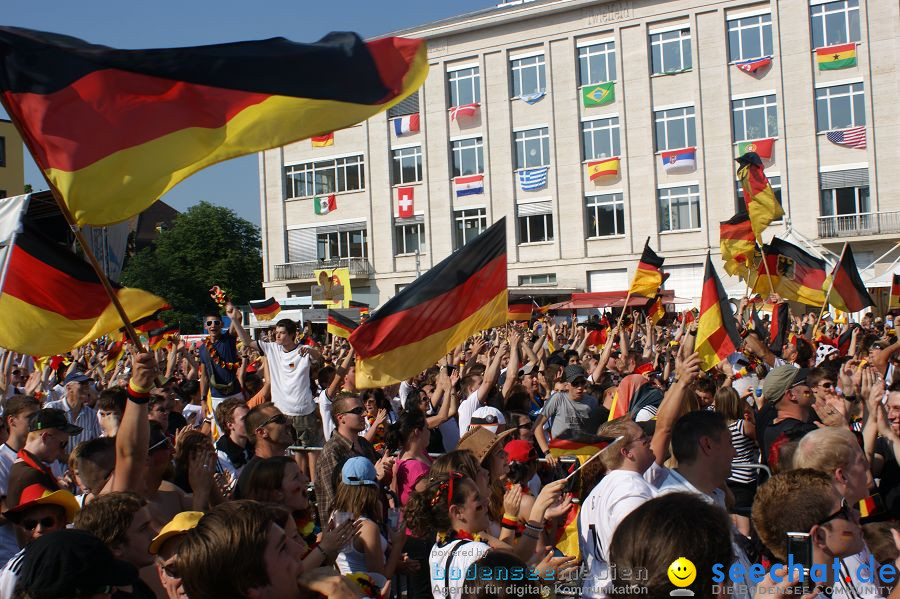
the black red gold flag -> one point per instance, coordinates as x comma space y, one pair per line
656, 310
895, 292
795, 274
717, 334
159, 338
340, 325
266, 309
779, 327
520, 309
848, 292
763, 206
737, 243
649, 276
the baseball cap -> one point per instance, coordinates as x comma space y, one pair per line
359, 471
528, 368
574, 371
52, 418
520, 451
489, 417
76, 377
780, 379
71, 562
178, 525
37, 494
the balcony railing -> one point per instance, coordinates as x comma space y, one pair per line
359, 267
854, 225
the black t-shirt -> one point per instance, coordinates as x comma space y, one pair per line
889, 485
791, 427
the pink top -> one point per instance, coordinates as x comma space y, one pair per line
408, 473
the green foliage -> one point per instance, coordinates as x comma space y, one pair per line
207, 245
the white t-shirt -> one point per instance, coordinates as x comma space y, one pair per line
325, 411
465, 411
290, 379
9, 576
467, 554
8, 544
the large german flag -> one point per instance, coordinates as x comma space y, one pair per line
266, 309
52, 301
848, 292
895, 292
115, 129
737, 242
717, 334
520, 309
648, 277
796, 275
762, 205
463, 294
340, 325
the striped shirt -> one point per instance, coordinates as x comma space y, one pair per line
9, 575
746, 452
87, 420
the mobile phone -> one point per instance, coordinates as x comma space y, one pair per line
799, 546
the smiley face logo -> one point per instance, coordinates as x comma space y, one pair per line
682, 572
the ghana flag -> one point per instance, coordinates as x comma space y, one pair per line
895, 292
796, 275
52, 301
737, 243
463, 294
717, 334
520, 309
340, 325
648, 277
848, 292
762, 205
266, 309
113, 130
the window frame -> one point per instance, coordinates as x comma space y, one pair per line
518, 65
693, 196
528, 280
769, 104
522, 137
400, 238
854, 89
774, 181
737, 24
549, 236
857, 197
457, 77
593, 204
398, 156
342, 239
818, 22
461, 216
684, 50
584, 55
456, 155
590, 129
310, 179
660, 115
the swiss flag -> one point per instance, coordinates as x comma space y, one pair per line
405, 202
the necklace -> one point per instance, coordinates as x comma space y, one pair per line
217, 359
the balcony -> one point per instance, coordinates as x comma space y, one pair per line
856, 225
359, 268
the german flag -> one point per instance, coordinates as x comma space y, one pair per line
648, 277
363, 308
266, 309
115, 351
463, 294
737, 243
895, 293
339, 325
780, 327
322, 141
52, 301
145, 325
762, 205
848, 292
520, 309
583, 449
113, 130
656, 310
717, 335
159, 338
796, 275
844, 339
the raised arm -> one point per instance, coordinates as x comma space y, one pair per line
512, 369
134, 430
237, 318
492, 373
670, 407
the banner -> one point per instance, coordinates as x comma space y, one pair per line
332, 287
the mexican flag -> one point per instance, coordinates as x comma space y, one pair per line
325, 205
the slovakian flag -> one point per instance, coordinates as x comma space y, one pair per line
113, 130
895, 292
322, 141
406, 125
266, 309
51, 300
737, 244
464, 111
603, 168
762, 205
340, 325
463, 294
779, 327
762, 147
795, 274
161, 337
520, 309
470, 185
717, 334
649, 276
848, 292
754, 64
679, 161
405, 202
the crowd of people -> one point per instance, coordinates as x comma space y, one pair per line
547, 458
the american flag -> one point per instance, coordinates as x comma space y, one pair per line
855, 137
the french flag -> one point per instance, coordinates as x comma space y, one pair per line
469, 186
677, 161
406, 124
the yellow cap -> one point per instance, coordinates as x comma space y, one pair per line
178, 525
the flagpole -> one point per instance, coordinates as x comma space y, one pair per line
765, 264
837, 265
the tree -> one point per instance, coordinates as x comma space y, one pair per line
207, 245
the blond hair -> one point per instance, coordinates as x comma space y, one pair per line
625, 427
826, 450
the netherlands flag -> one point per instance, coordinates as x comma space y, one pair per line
676, 161
406, 124
469, 186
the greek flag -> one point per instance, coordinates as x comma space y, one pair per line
533, 178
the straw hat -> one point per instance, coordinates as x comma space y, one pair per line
481, 441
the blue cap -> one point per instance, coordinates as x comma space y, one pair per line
359, 471
76, 377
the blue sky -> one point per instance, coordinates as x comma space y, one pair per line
166, 23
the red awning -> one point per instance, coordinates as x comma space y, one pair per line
608, 299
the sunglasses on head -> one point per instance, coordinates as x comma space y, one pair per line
843, 513
30, 524
358, 410
276, 419
210, 323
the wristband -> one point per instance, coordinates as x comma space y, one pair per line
137, 389
137, 396
509, 521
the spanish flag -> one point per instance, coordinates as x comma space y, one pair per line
113, 130
159, 338
895, 292
339, 325
266, 309
52, 301
648, 277
795, 274
520, 309
762, 205
737, 243
717, 334
463, 294
603, 168
655, 310
848, 292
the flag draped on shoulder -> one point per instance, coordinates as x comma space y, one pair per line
762, 205
848, 292
340, 325
115, 129
717, 334
463, 294
266, 309
737, 243
795, 274
649, 276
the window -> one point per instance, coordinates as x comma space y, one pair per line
409, 235
469, 225
410, 105
465, 86
535, 220
407, 165
600, 138
2, 193
670, 51
605, 215
540, 280
675, 128
597, 63
325, 176
739, 205
2, 151
834, 23
840, 106
468, 156
350, 243
679, 208
750, 37
528, 75
532, 147
845, 201
754, 118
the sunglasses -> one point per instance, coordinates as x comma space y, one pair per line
210, 323
826, 385
276, 419
578, 383
31, 524
171, 570
359, 411
843, 513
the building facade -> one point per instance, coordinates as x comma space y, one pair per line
526, 100
12, 160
